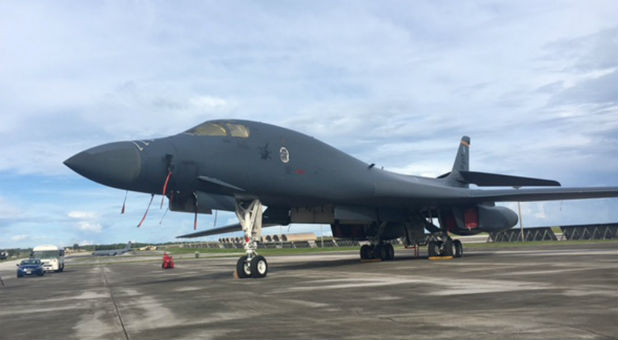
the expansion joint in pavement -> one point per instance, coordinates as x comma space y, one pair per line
118, 314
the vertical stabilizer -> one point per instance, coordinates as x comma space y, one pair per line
461, 160
461, 164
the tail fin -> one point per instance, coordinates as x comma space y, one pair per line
461, 163
461, 160
461, 177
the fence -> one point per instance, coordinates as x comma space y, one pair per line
530, 234
604, 231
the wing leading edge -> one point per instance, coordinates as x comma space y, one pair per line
221, 230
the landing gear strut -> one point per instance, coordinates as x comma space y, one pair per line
250, 216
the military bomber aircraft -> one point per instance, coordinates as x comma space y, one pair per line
241, 166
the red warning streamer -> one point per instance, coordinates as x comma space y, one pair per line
195, 216
124, 202
167, 180
146, 213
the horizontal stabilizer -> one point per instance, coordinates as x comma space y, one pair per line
483, 179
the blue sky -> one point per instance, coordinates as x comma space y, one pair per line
396, 83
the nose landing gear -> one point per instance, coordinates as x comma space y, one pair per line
250, 216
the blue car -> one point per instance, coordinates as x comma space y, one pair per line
30, 267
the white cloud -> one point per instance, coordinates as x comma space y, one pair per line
20, 237
208, 103
8, 210
80, 215
89, 226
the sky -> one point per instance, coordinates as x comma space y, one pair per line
396, 83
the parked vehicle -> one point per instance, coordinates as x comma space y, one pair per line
30, 267
51, 256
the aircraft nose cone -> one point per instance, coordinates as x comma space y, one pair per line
115, 164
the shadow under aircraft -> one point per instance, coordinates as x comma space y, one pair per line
244, 166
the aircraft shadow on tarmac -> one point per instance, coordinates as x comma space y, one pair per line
300, 265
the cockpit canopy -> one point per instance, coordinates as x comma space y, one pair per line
220, 128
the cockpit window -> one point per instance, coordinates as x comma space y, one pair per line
220, 129
237, 130
208, 129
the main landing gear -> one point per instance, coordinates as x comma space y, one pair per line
250, 216
382, 251
444, 246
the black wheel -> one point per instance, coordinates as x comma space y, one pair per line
433, 248
390, 251
458, 248
243, 268
259, 267
380, 252
366, 252
447, 248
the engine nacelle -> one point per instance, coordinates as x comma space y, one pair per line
473, 220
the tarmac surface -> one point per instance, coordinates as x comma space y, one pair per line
554, 292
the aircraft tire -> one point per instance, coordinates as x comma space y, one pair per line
433, 249
366, 252
390, 251
259, 267
447, 249
380, 252
242, 267
458, 248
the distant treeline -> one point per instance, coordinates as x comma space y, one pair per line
18, 252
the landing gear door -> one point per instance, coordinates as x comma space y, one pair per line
415, 233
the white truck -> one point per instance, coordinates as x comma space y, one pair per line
51, 256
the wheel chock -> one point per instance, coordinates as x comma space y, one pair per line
235, 275
439, 258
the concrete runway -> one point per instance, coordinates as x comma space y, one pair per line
556, 292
